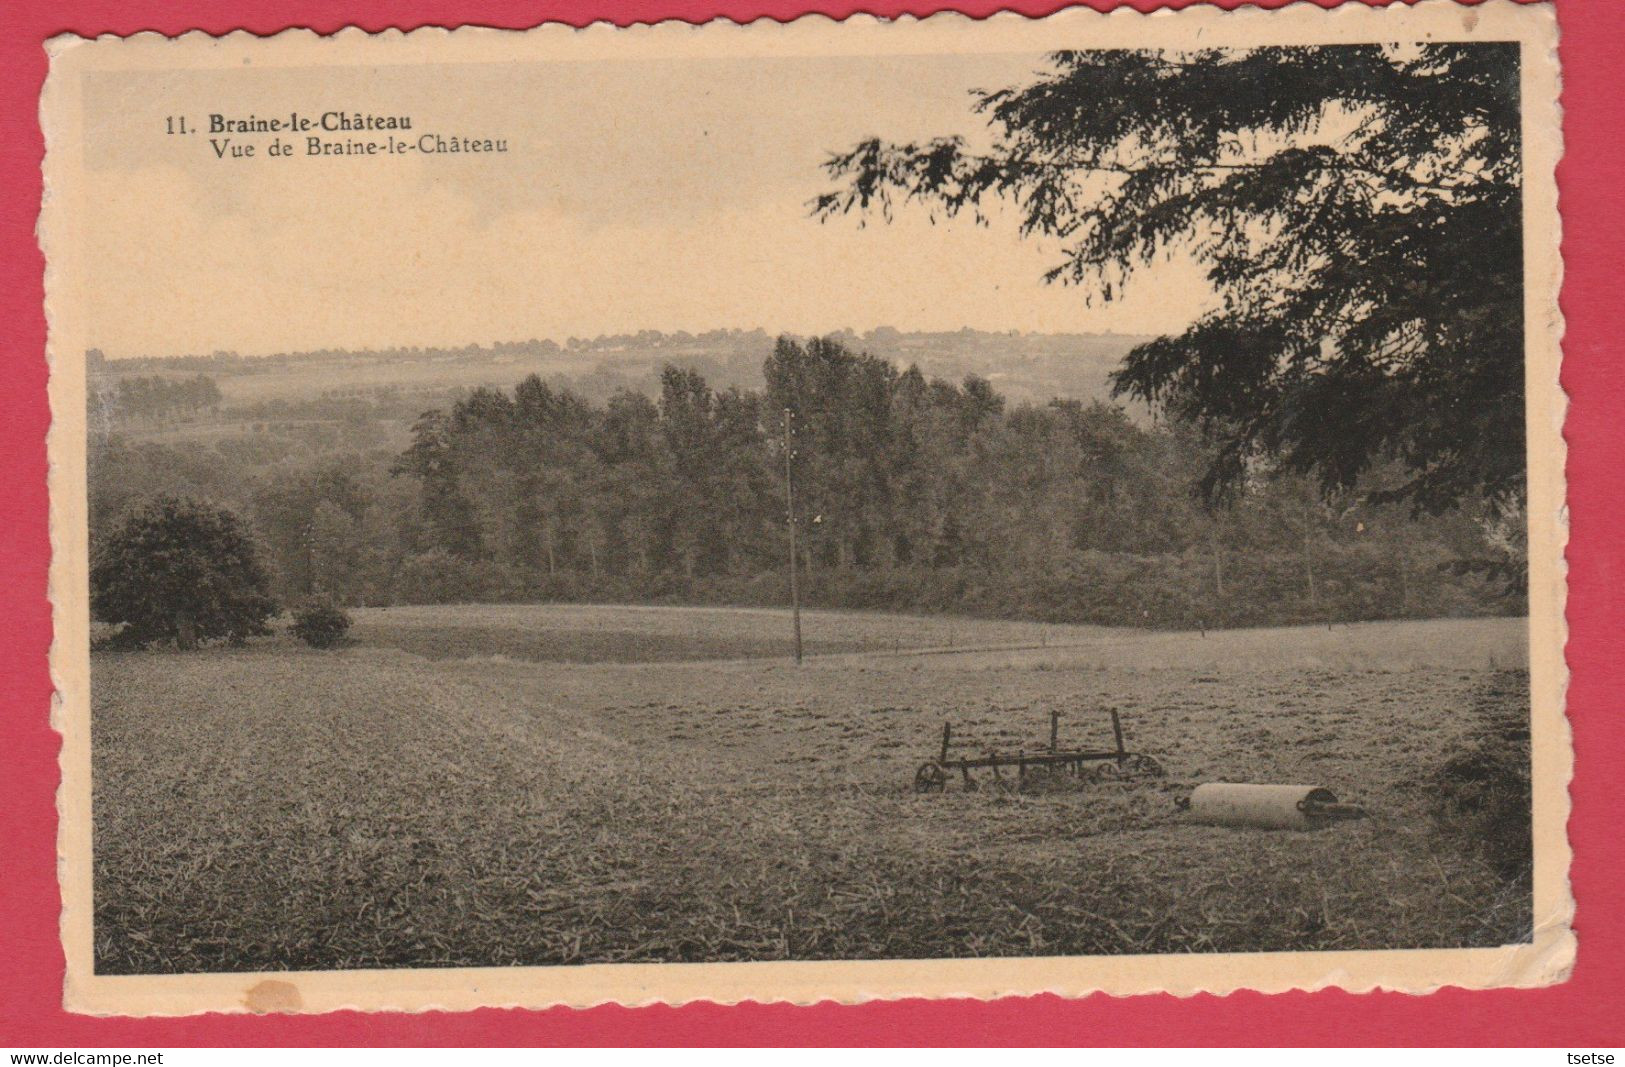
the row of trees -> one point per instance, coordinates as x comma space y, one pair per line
912, 494
155, 397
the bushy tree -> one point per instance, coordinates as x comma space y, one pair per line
1357, 208
177, 569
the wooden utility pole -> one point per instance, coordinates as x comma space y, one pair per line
790, 505
1308, 555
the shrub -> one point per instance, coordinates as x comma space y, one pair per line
320, 622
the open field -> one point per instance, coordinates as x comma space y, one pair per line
534, 785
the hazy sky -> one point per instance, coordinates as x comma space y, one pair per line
662, 195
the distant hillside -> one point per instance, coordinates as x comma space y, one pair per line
1035, 367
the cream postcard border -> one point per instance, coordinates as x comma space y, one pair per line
1548, 959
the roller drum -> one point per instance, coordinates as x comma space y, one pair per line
1267, 807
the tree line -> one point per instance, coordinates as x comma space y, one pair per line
156, 397
912, 494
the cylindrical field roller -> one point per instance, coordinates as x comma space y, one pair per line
1267, 807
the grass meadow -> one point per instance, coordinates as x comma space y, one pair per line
505, 785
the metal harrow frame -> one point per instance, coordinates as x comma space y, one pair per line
1116, 763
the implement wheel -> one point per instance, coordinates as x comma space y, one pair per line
1142, 767
930, 778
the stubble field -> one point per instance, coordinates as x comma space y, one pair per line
541, 785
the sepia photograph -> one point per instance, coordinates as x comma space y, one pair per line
1075, 495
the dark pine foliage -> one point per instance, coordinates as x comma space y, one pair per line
174, 569
1357, 209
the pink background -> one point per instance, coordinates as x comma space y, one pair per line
1585, 1011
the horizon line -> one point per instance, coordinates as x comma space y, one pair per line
564, 346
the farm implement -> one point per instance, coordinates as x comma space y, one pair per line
1267, 807
1113, 764
1233, 804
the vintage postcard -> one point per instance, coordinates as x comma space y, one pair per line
818, 510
